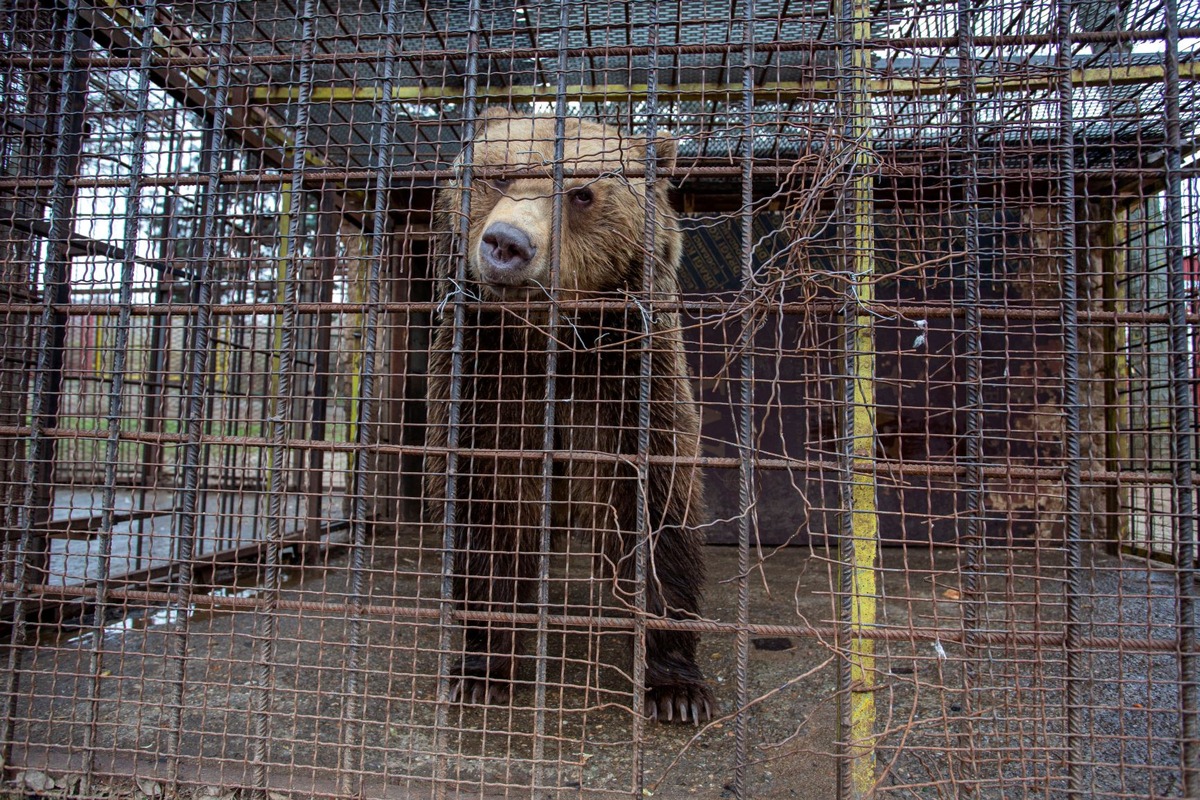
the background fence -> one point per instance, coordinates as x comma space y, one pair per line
938, 293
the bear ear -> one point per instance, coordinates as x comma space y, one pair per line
489, 114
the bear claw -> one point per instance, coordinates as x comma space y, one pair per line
682, 703
479, 691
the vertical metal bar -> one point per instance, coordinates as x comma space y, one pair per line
280, 420
1076, 673
972, 552
70, 133
642, 521
152, 407
351, 766
232, 511
14, 386
326, 258
137, 158
859, 540
288, 213
409, 383
220, 388
160, 342
547, 521
202, 275
746, 518
1183, 419
156, 371
38, 495
453, 418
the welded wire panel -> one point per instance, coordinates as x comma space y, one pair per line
668, 399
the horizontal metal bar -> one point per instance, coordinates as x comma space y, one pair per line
888, 469
915, 166
209, 603
905, 313
1041, 79
363, 55
88, 527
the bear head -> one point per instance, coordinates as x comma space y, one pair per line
511, 237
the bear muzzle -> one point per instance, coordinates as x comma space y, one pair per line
506, 255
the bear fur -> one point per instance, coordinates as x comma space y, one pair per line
502, 392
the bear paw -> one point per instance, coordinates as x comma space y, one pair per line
480, 691
682, 702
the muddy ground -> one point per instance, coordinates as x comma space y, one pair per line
991, 717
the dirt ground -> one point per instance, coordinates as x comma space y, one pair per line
990, 717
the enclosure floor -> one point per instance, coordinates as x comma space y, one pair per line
931, 731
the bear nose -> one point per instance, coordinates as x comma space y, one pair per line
506, 247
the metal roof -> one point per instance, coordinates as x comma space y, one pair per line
914, 77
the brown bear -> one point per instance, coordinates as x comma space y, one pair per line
502, 390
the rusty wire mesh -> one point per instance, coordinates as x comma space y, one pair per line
936, 291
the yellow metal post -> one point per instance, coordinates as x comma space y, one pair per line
860, 550
222, 356
98, 347
358, 295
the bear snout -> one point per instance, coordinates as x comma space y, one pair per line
507, 251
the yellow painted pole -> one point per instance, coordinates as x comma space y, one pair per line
865, 535
860, 554
98, 347
358, 295
221, 355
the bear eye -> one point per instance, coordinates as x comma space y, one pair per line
500, 184
581, 198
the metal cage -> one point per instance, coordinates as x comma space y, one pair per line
935, 291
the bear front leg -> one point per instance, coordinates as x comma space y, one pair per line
494, 573
675, 687
486, 582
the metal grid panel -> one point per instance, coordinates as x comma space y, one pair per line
935, 294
